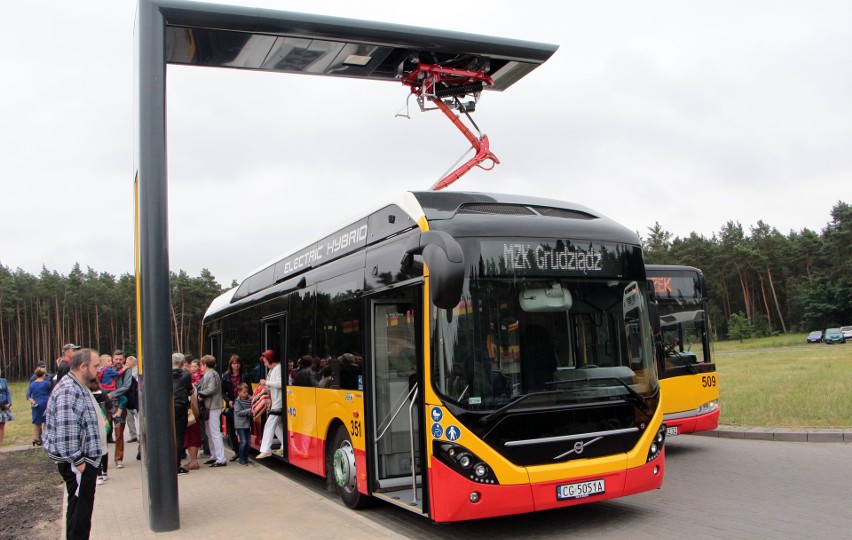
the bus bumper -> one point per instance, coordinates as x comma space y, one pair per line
451, 493
693, 424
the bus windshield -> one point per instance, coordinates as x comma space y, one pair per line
683, 317
553, 340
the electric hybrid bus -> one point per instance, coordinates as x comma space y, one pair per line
489, 355
687, 372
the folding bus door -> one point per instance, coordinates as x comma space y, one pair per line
396, 402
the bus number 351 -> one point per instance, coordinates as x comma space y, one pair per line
355, 428
708, 380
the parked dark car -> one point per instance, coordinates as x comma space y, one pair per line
846, 331
833, 335
815, 336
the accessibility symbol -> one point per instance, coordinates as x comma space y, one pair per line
453, 433
437, 431
437, 414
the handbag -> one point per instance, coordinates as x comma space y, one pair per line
260, 400
190, 418
203, 412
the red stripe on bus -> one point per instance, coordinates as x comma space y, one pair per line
450, 495
306, 452
696, 424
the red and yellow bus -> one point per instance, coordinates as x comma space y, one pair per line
687, 372
489, 355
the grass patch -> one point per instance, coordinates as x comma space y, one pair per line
790, 340
765, 382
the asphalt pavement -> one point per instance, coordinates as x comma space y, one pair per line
220, 502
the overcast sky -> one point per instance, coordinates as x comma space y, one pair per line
684, 113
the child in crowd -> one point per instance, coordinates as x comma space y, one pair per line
242, 421
106, 408
108, 380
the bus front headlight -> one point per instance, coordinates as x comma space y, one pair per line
464, 462
657, 444
708, 407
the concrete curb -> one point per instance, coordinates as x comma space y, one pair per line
814, 435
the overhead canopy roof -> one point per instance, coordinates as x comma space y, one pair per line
266, 40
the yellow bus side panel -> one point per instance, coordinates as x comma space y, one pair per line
310, 412
688, 392
346, 406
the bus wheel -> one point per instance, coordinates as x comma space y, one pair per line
344, 470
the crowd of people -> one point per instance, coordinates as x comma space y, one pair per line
75, 413
345, 372
201, 398
91, 400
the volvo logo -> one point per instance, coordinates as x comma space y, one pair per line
578, 448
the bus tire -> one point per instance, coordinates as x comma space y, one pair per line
343, 470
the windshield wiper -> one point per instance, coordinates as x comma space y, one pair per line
637, 397
502, 410
634, 395
686, 363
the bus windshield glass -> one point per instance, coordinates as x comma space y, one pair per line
525, 330
683, 316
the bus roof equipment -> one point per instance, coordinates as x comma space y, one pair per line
443, 86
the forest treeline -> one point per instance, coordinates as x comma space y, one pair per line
760, 282
39, 314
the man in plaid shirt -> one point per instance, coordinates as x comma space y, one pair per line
73, 437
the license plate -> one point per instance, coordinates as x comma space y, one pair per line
671, 431
580, 489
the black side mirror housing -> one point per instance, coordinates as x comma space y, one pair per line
445, 260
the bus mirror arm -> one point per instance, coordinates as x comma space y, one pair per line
445, 259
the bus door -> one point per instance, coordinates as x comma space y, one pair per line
272, 337
214, 345
397, 401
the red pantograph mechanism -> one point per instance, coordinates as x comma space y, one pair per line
438, 83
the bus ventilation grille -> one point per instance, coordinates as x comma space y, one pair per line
518, 210
562, 213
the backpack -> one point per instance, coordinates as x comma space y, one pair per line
132, 394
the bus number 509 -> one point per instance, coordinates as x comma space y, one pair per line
708, 381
